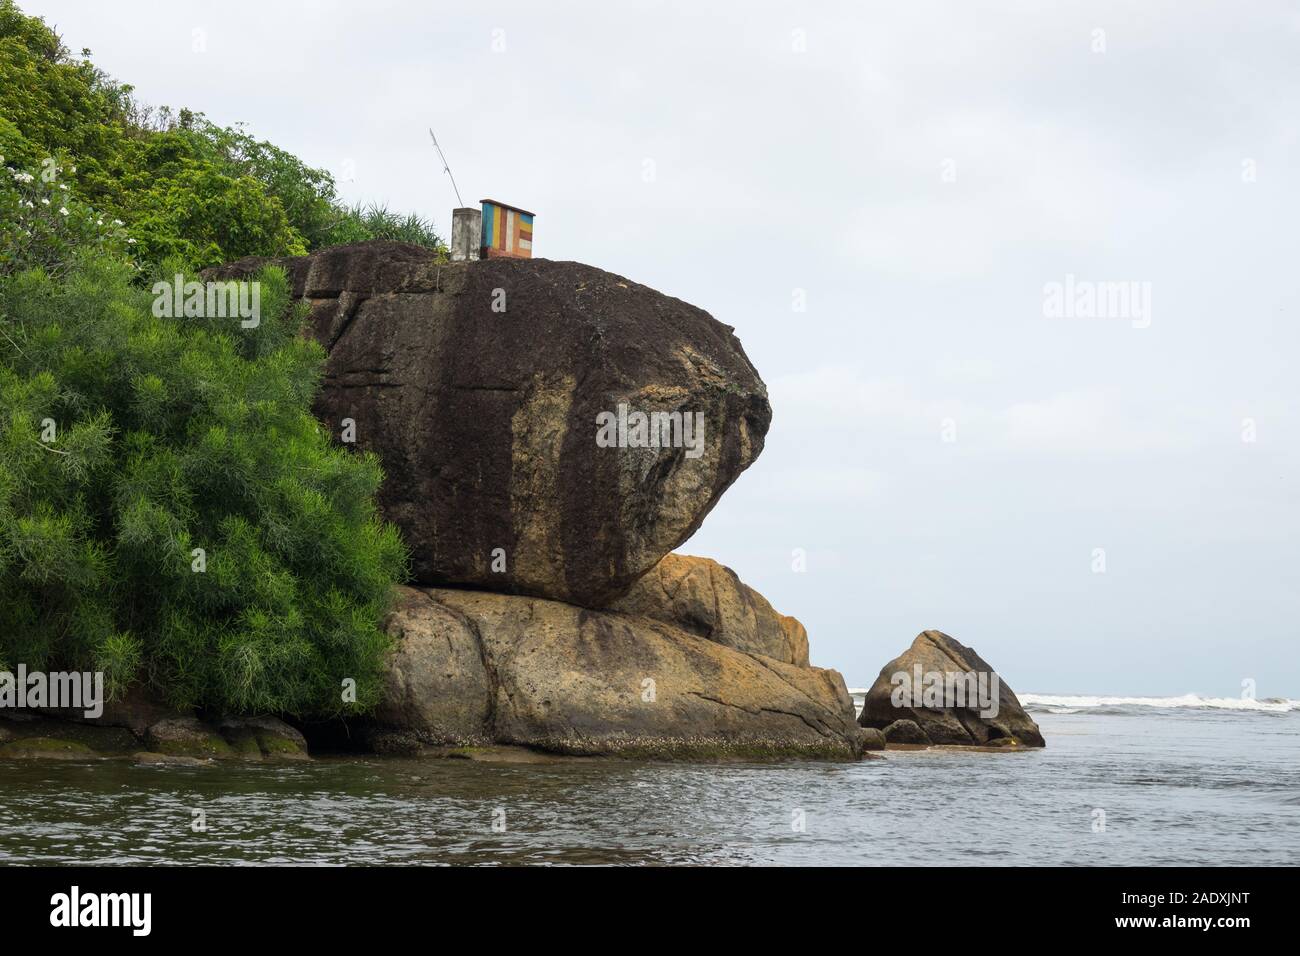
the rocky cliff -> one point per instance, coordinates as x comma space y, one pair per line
550, 432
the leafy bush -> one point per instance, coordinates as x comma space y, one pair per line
170, 512
42, 226
128, 442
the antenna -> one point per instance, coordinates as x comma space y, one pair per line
446, 168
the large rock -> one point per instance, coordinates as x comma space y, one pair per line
934, 652
437, 684
479, 385
703, 597
522, 670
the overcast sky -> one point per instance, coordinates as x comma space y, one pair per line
945, 452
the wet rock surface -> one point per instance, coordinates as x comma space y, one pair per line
177, 739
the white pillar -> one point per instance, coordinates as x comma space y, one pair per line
466, 233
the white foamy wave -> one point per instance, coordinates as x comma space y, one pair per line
1057, 703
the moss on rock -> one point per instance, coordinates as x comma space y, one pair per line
45, 748
187, 737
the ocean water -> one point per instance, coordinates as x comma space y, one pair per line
1175, 780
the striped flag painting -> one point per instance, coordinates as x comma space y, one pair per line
507, 231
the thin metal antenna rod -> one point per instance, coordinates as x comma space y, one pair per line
446, 168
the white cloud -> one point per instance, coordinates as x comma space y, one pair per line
822, 171
1092, 420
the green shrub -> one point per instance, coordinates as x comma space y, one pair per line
128, 442
373, 221
170, 512
42, 225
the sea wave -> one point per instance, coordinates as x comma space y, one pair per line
1100, 704
1062, 703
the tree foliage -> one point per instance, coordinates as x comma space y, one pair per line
171, 512
185, 187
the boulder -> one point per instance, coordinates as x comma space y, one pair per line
479, 384
934, 652
906, 732
703, 597
872, 739
436, 684
263, 738
569, 680
186, 737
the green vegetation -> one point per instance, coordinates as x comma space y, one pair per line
377, 222
170, 512
183, 187
127, 443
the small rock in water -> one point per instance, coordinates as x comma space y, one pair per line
917, 686
905, 732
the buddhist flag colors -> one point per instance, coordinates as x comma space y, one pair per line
507, 231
